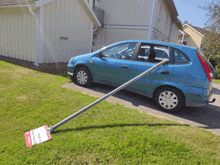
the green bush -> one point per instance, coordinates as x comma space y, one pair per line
217, 71
211, 45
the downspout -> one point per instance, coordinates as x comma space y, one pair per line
149, 37
200, 43
106, 39
95, 29
182, 38
31, 11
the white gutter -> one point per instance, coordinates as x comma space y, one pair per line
194, 29
42, 2
90, 12
31, 11
150, 32
14, 6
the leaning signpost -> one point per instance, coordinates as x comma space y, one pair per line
42, 134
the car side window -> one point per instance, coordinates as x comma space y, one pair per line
180, 57
122, 51
153, 53
161, 54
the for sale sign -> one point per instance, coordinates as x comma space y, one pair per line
37, 136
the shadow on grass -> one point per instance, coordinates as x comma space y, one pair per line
117, 125
51, 68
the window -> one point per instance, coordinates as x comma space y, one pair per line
180, 57
150, 53
121, 51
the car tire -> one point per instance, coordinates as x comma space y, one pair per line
83, 77
169, 99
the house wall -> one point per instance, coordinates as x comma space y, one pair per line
68, 19
113, 35
124, 20
163, 26
18, 33
174, 34
127, 12
193, 39
130, 19
116, 35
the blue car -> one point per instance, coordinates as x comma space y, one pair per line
186, 80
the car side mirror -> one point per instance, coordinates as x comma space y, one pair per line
100, 54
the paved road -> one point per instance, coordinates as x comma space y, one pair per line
207, 117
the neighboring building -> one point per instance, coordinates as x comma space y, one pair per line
137, 19
191, 35
47, 31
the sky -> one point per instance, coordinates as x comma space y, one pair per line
188, 10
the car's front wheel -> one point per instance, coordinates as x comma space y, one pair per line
83, 77
169, 99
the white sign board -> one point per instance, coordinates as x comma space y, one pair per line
37, 136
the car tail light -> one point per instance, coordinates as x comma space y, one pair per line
206, 67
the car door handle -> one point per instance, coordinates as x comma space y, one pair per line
124, 66
165, 72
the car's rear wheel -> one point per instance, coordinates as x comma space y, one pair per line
83, 77
169, 99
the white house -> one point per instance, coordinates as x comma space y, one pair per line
46, 31
137, 19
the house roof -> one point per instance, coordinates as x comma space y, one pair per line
198, 30
6, 3
37, 3
202, 31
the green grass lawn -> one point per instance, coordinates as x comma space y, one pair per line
217, 81
108, 133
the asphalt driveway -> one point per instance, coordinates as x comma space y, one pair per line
207, 117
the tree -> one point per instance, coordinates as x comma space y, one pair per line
211, 41
213, 14
211, 45
185, 22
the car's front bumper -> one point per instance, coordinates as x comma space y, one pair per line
70, 69
69, 73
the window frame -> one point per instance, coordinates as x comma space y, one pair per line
173, 57
121, 50
155, 45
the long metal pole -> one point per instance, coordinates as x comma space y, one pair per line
107, 95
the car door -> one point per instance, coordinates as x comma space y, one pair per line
115, 65
147, 84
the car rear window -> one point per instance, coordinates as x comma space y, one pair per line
180, 57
